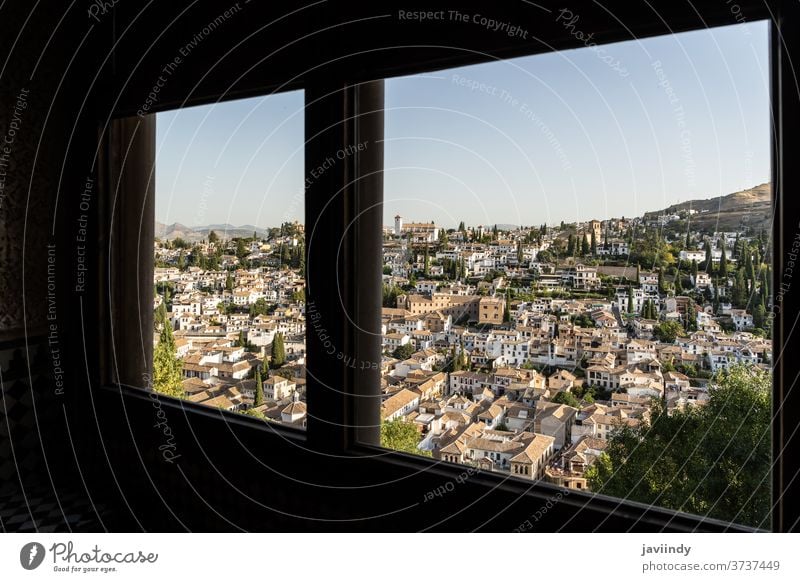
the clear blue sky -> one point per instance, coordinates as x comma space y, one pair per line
561, 136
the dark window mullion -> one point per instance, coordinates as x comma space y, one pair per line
344, 192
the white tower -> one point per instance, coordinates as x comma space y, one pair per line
398, 225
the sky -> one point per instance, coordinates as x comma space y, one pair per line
572, 135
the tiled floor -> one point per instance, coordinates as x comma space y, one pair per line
39, 510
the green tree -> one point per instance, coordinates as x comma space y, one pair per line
567, 398
594, 245
167, 367
759, 316
751, 276
403, 352
454, 365
241, 249
401, 435
585, 247
630, 299
739, 291
571, 246
260, 307
299, 296
426, 262
278, 353
709, 262
212, 237
258, 399
723, 263
161, 315
711, 460
229, 282
667, 331
254, 413
390, 293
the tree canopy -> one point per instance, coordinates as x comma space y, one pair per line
167, 367
403, 352
567, 398
401, 435
711, 460
278, 352
667, 331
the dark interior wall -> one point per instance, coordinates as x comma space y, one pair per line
221, 472
43, 78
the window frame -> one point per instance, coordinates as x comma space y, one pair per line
345, 112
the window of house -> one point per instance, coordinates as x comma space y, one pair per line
229, 277
612, 194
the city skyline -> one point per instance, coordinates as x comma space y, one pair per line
694, 127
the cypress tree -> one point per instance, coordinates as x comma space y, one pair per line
258, 399
167, 367
723, 263
455, 360
278, 351
739, 294
751, 276
709, 262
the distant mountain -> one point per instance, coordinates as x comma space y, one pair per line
196, 233
747, 208
507, 227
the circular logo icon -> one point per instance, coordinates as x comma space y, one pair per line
31, 555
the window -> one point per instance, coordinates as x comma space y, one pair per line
229, 280
619, 218
349, 410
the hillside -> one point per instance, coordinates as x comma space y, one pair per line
197, 233
747, 208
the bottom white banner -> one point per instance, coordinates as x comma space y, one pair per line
389, 557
